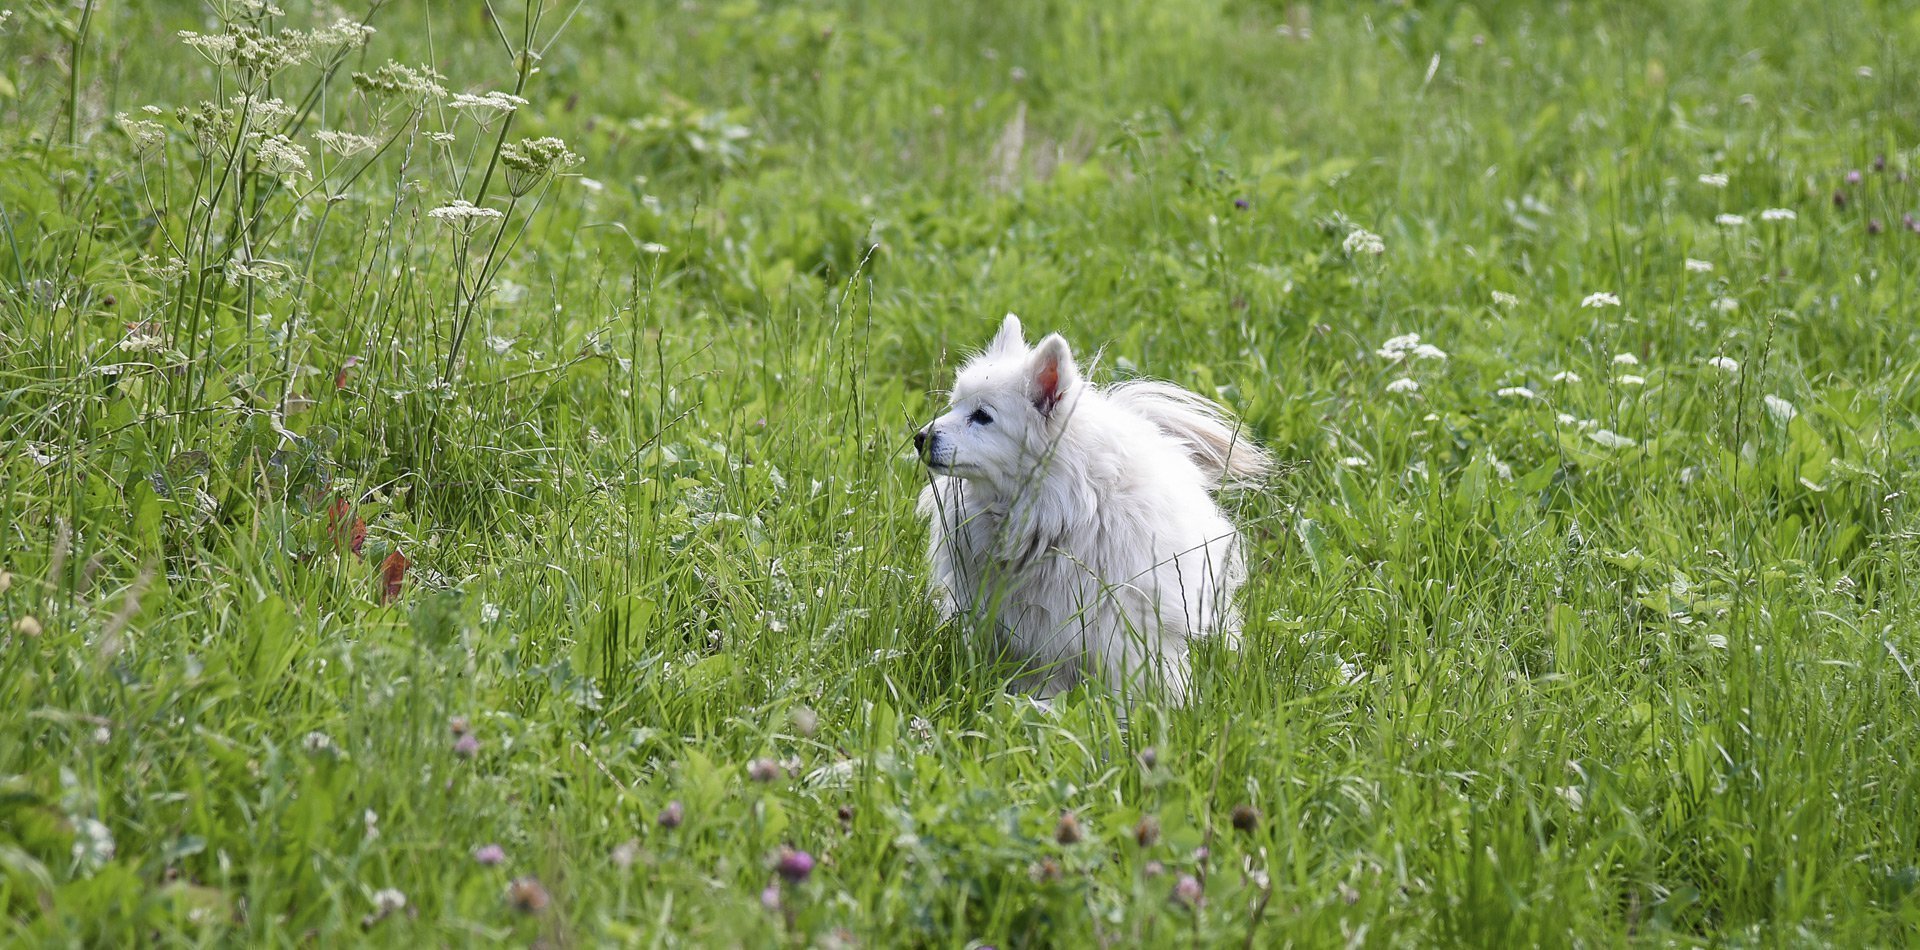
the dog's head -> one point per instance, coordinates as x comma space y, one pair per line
1010, 403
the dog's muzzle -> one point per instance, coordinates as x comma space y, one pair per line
920, 440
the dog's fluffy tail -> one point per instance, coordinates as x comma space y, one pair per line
1217, 444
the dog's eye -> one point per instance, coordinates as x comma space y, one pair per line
980, 418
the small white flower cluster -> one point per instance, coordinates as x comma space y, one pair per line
1516, 392
1566, 376
1405, 384
463, 215
1725, 363
344, 144
484, 109
1409, 345
1714, 180
1504, 299
282, 158
1781, 410
1363, 241
1611, 439
145, 134
1778, 214
1730, 220
1625, 359
1600, 299
1699, 267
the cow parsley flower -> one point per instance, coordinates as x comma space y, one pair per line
1778, 214
1625, 359
1730, 220
486, 108
1611, 439
282, 158
1712, 180
1631, 380
1566, 376
145, 134
1726, 304
1726, 363
1505, 299
1405, 384
531, 161
1699, 267
463, 215
1397, 348
1601, 299
1516, 392
1363, 241
1781, 410
344, 144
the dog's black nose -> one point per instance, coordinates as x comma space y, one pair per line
920, 441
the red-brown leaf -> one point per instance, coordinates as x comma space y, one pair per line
393, 572
349, 534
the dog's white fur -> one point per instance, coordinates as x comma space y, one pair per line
1079, 522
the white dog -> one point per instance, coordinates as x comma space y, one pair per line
1078, 522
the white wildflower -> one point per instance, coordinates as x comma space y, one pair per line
145, 134
1726, 304
1566, 376
1730, 220
1611, 439
1397, 348
489, 613
1354, 461
1727, 363
593, 185
92, 843
485, 109
1778, 214
1516, 392
1717, 641
1781, 410
1714, 180
216, 47
463, 215
1405, 384
1505, 299
1864, 72
282, 158
1427, 351
388, 900
340, 35
1625, 359
1699, 267
317, 742
1363, 241
265, 112
1351, 673
652, 247
531, 161
344, 144
1601, 299
1631, 380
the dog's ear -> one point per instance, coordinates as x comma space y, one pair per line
1009, 340
1051, 374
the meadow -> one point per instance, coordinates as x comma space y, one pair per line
457, 479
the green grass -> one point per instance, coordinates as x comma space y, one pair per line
1504, 683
